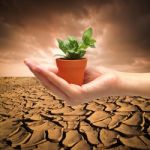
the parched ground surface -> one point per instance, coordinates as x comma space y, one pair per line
32, 118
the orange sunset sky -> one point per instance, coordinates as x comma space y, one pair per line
29, 28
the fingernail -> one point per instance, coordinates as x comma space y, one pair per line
26, 60
30, 64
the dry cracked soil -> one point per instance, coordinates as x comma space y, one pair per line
31, 117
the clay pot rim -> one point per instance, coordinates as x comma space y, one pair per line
63, 59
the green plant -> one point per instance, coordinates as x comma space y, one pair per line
75, 49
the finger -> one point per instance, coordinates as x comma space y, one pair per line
97, 82
55, 90
56, 80
52, 77
50, 68
90, 76
33, 63
29, 61
94, 88
53, 69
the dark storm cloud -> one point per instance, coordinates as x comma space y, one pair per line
130, 19
126, 34
131, 14
121, 28
22, 12
39, 19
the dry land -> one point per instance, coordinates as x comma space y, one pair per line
31, 117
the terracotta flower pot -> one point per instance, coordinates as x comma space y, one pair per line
72, 70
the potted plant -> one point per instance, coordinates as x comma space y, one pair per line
72, 66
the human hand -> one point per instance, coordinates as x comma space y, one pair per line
97, 83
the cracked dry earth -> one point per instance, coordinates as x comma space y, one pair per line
32, 118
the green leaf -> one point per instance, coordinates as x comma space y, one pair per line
92, 46
86, 41
82, 46
92, 41
72, 38
61, 45
87, 34
71, 51
75, 49
73, 54
82, 53
59, 55
66, 43
71, 44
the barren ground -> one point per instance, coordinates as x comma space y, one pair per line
32, 118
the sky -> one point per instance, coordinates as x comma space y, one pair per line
29, 29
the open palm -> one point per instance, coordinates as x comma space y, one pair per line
97, 82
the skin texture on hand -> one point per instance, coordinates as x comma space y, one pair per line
97, 82
135, 84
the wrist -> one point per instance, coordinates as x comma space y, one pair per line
134, 84
127, 84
